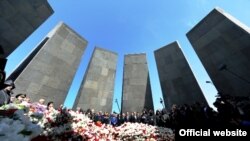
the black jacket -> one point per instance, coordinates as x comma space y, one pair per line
4, 97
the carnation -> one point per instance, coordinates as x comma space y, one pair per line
69, 125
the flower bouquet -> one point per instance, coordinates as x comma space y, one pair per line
69, 125
17, 127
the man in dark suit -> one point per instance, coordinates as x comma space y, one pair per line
6, 91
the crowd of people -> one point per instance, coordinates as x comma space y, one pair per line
38, 121
6, 97
228, 114
231, 112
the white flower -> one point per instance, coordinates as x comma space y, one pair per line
57, 123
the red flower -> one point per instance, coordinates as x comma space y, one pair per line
98, 123
49, 120
153, 136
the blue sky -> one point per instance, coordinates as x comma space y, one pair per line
132, 26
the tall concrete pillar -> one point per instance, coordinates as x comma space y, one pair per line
223, 45
97, 87
136, 92
177, 81
50, 68
18, 19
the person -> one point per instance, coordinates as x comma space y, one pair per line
39, 106
6, 92
26, 101
50, 106
113, 119
41, 101
79, 110
2, 77
12, 99
20, 98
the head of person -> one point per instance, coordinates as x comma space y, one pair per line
9, 86
20, 97
50, 105
12, 99
41, 101
174, 107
